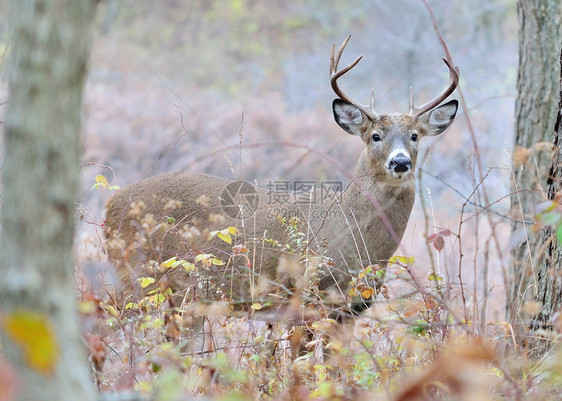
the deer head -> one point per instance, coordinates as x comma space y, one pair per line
391, 140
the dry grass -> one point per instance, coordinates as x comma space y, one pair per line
422, 339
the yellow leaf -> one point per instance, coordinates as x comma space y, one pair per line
146, 281
404, 260
169, 262
132, 305
407, 260
367, 293
208, 260
435, 277
225, 237
34, 334
85, 308
188, 267
102, 181
202, 256
256, 306
111, 310
233, 230
217, 261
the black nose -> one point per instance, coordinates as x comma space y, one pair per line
400, 164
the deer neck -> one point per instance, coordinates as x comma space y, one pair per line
375, 203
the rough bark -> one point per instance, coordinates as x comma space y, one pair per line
536, 107
549, 294
49, 49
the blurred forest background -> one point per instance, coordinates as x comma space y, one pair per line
177, 85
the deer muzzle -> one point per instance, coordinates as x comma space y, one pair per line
400, 163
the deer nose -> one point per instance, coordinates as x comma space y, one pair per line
400, 163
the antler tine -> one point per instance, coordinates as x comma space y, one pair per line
335, 75
416, 112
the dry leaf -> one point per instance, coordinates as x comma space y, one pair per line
544, 146
173, 323
96, 347
520, 156
437, 241
460, 369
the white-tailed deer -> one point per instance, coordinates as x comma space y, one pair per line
182, 215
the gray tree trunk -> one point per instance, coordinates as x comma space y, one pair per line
536, 107
49, 49
542, 332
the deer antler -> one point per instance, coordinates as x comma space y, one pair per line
369, 111
416, 112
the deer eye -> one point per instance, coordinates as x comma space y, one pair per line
376, 137
414, 137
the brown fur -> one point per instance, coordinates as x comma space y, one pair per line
363, 228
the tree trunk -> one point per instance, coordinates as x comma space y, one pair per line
39, 329
535, 110
549, 294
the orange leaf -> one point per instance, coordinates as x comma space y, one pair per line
414, 308
367, 293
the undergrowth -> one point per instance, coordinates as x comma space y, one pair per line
419, 339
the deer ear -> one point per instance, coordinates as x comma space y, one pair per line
438, 120
349, 117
